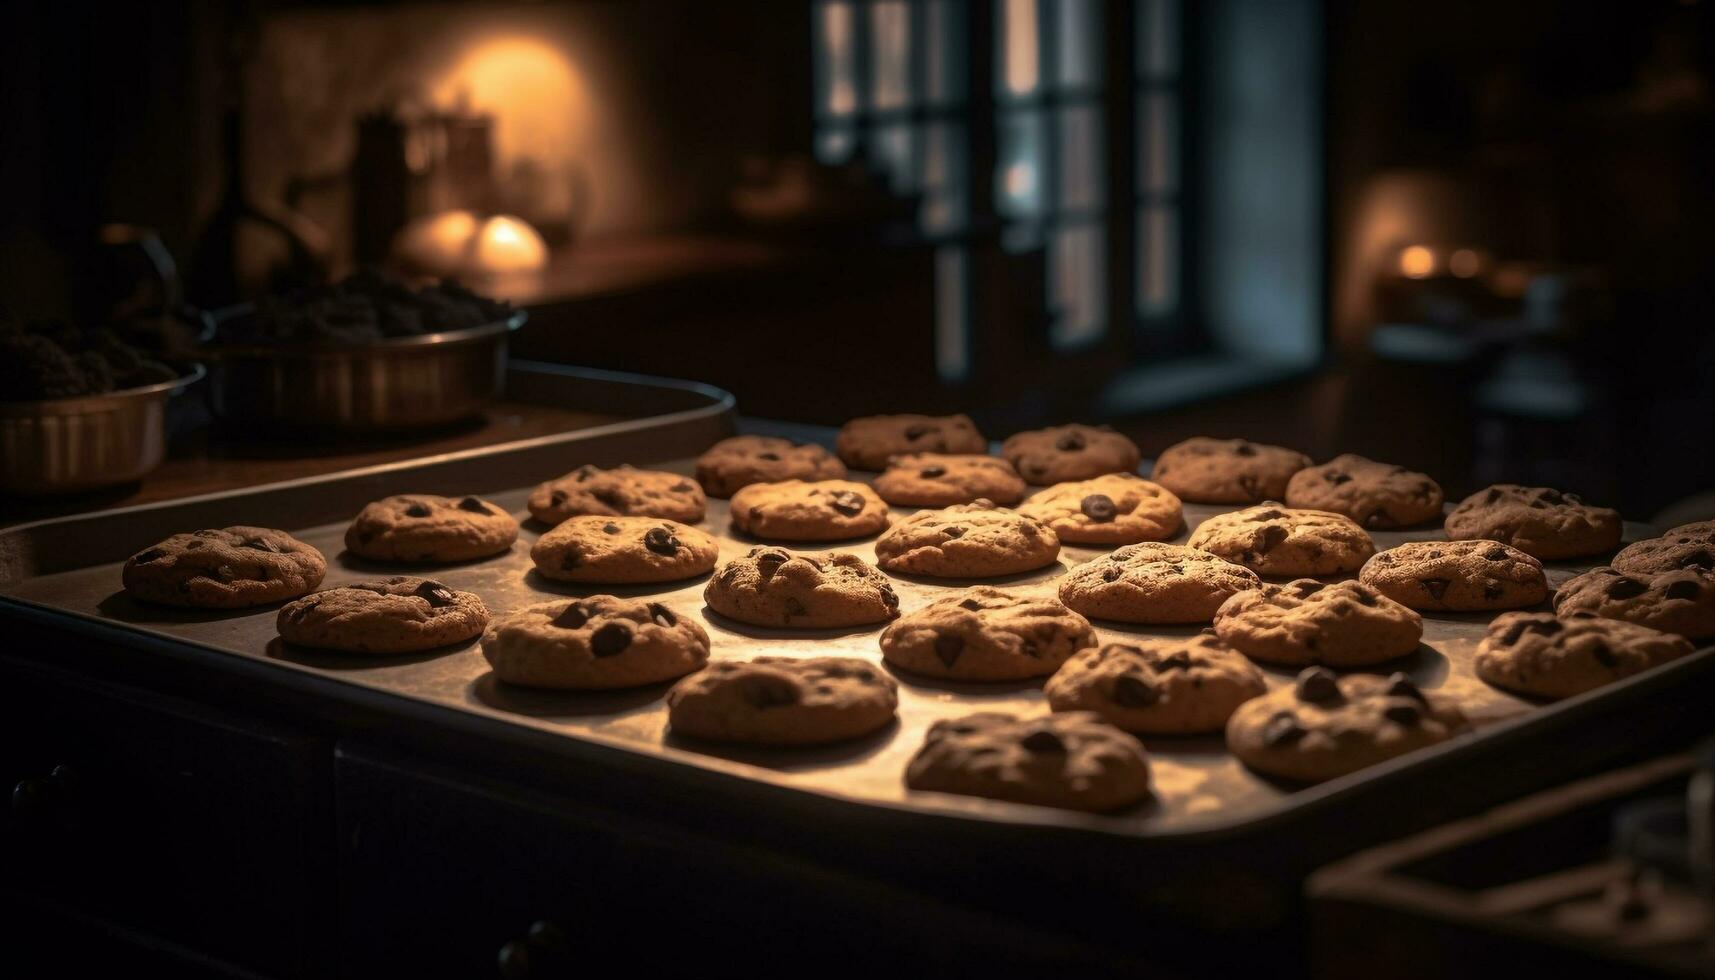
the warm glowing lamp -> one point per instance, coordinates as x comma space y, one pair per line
1464, 263
1416, 262
507, 244
458, 242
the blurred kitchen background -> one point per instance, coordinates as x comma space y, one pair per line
1477, 239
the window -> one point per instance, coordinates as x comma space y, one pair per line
893, 87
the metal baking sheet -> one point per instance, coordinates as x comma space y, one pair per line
1198, 785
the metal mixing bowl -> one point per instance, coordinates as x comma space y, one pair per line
64, 445
397, 383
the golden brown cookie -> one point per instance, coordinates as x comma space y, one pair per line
1376, 495
1681, 601
1226, 471
937, 480
1158, 686
618, 492
1538, 521
1688, 546
623, 550
827, 590
868, 443
1069, 452
402, 614
739, 461
224, 568
783, 700
1155, 583
975, 540
595, 643
1541, 655
1346, 624
1072, 760
821, 510
1273, 540
420, 527
1117, 508
985, 634
1457, 576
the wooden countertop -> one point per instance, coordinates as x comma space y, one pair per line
204, 461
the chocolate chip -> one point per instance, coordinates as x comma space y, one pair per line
225, 573
1548, 496
1244, 449
417, 510
1070, 442
770, 691
558, 498
585, 472
1307, 587
435, 592
1098, 507
1436, 587
610, 639
1282, 729
1363, 596
145, 557
1132, 691
953, 531
1681, 590
768, 562
571, 618
1336, 477
916, 432
1316, 685
1544, 627
847, 502
1249, 483
1378, 520
1043, 741
571, 557
1698, 559
610, 528
794, 607
1603, 655
889, 598
1271, 538
1112, 574
771, 457
1400, 684
948, 647
661, 541
662, 615
192, 544
1496, 554
932, 472
1177, 660
971, 604
474, 505
1626, 588
301, 610
683, 486
1492, 496
1404, 714
611, 496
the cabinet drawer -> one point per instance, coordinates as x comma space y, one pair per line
208, 831
441, 872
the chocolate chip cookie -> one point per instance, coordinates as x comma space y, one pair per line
623, 550
1072, 760
419, 527
984, 634
1117, 508
868, 443
1681, 601
976, 540
1069, 452
740, 461
1538, 521
1376, 495
225, 568
1226, 471
618, 492
1273, 540
1346, 624
776, 587
936, 480
1325, 726
1689, 546
402, 614
1543, 656
794, 510
783, 700
1457, 576
1155, 583
1158, 687
597, 643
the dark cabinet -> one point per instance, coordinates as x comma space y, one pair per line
144, 815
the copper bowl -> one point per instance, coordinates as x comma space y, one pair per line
391, 384
66, 445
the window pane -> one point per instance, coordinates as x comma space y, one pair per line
1075, 284
1018, 58
944, 204
1019, 172
945, 65
836, 64
834, 144
1157, 260
1158, 143
1157, 38
893, 152
1079, 53
890, 54
1080, 156
952, 344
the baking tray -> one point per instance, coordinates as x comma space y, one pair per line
67, 571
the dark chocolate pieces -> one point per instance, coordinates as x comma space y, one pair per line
435, 592
1316, 685
770, 691
418, 509
474, 505
1043, 742
661, 541
573, 617
1134, 691
847, 502
1070, 442
661, 615
1282, 729
948, 647
1098, 507
610, 639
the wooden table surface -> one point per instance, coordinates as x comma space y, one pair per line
206, 461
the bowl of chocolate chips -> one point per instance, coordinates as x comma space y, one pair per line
369, 353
